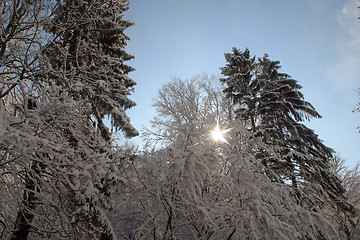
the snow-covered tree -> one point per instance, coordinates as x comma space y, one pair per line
87, 58
20, 40
181, 194
274, 107
192, 187
350, 178
62, 70
186, 110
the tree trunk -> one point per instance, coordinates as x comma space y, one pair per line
26, 211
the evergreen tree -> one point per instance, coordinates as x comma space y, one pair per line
274, 107
62, 71
88, 58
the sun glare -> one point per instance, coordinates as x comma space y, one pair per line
218, 135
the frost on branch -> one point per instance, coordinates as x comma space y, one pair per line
62, 70
210, 192
273, 109
88, 58
56, 168
190, 187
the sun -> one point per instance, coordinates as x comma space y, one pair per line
218, 134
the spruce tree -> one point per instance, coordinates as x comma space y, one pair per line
63, 70
88, 58
274, 108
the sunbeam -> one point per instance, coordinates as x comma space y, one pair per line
218, 134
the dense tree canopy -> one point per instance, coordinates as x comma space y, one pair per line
62, 70
191, 187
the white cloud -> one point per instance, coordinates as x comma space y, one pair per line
350, 24
347, 69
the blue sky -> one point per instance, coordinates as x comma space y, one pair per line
316, 41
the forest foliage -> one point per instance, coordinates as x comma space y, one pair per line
63, 72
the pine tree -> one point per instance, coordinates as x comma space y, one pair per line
274, 107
